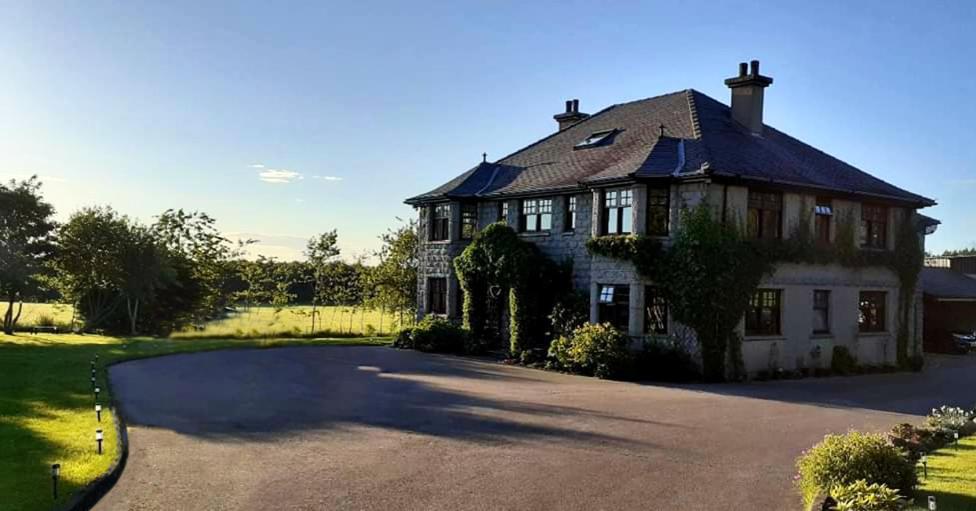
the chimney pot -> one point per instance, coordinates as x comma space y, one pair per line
569, 106
743, 69
575, 106
755, 68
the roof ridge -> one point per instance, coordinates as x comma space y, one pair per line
693, 109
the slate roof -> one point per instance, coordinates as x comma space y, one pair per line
699, 137
946, 283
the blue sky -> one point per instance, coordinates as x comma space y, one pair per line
350, 107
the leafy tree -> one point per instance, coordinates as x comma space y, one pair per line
321, 251
26, 230
195, 238
88, 261
143, 269
394, 279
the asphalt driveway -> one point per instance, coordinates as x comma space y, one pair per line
378, 428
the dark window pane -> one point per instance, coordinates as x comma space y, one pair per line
821, 311
763, 316
437, 295
658, 211
469, 221
871, 311
614, 306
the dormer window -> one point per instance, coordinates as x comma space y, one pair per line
595, 139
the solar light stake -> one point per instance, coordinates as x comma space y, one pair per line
98, 438
925, 465
931, 502
93, 380
955, 437
98, 412
97, 390
55, 472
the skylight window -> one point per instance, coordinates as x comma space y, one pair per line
595, 139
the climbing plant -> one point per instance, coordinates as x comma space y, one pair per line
497, 265
710, 273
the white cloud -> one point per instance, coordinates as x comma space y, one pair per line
256, 166
328, 178
279, 176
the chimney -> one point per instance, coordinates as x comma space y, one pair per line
747, 96
571, 116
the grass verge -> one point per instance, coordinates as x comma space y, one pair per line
951, 478
47, 406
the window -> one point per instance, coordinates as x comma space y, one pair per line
614, 306
617, 217
437, 295
822, 213
469, 221
874, 220
821, 311
765, 214
536, 215
655, 311
440, 222
595, 139
569, 218
763, 315
658, 211
503, 212
871, 311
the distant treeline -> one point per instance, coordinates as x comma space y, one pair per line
124, 276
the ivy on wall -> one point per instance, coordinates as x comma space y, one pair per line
710, 273
498, 267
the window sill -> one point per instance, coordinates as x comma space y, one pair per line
534, 234
569, 233
777, 337
874, 334
821, 336
439, 242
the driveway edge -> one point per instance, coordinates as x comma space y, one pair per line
86, 498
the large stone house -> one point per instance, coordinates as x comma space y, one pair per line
633, 167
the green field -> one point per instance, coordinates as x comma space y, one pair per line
952, 478
46, 406
254, 322
295, 320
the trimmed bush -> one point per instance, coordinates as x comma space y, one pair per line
433, 334
842, 362
665, 359
840, 460
598, 350
861, 496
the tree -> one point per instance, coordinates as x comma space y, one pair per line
321, 252
194, 237
88, 262
960, 252
143, 269
26, 230
394, 280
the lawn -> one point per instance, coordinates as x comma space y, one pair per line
296, 320
254, 322
46, 406
952, 478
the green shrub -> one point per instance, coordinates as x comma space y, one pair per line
404, 338
570, 312
861, 496
599, 350
843, 459
842, 362
44, 320
435, 334
665, 359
